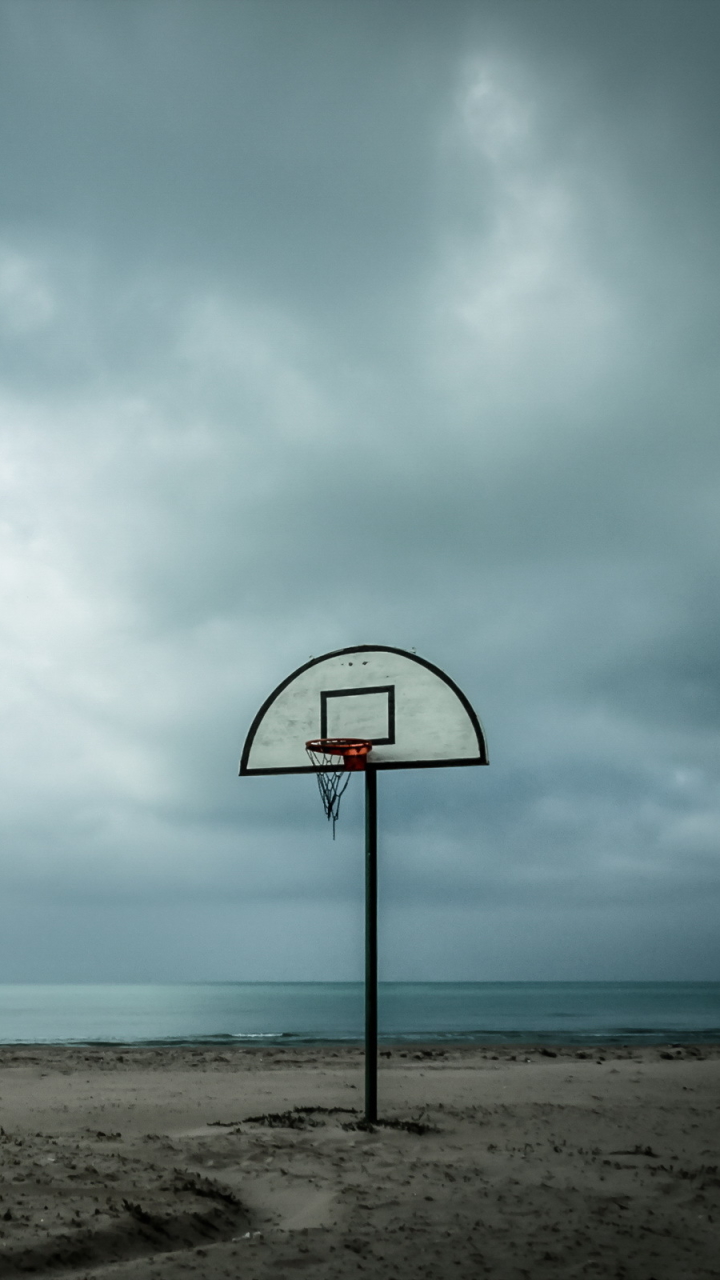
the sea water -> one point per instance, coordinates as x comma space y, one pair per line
321, 1013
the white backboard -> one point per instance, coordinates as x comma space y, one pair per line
415, 715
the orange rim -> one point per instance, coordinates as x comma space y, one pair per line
353, 750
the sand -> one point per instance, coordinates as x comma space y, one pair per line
502, 1162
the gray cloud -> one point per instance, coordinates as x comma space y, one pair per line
325, 326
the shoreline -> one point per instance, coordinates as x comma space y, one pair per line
125, 1162
506, 1050
396, 1044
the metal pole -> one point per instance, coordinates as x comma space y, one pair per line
370, 945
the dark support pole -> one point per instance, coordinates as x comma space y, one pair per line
370, 945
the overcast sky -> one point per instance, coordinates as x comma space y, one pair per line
384, 322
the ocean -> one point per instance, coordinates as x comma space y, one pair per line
326, 1012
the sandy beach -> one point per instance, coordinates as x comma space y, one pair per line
508, 1162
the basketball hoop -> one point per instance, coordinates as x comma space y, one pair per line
333, 760
375, 699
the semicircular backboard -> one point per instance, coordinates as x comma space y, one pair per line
415, 716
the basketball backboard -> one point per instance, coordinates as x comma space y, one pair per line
414, 714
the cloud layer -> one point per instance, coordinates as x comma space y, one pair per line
324, 326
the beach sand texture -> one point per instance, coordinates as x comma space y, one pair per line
503, 1162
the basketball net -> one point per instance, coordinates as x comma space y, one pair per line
333, 760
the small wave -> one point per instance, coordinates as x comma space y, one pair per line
257, 1035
